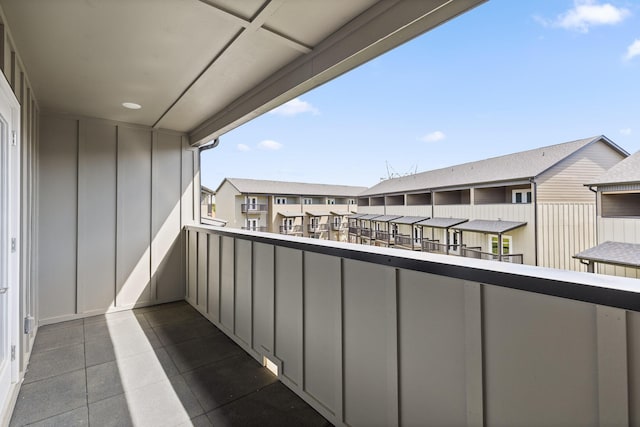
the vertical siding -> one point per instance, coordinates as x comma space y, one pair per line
371, 344
129, 182
564, 230
565, 181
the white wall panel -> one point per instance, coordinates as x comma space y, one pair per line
58, 217
133, 268
202, 270
96, 216
288, 300
166, 239
192, 267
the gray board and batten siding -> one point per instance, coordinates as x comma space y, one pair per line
378, 337
115, 198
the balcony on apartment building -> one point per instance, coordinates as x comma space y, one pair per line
291, 229
256, 228
318, 228
254, 207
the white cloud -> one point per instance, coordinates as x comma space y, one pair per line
434, 136
625, 131
294, 107
269, 144
633, 50
243, 147
586, 14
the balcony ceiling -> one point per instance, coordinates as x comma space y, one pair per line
202, 66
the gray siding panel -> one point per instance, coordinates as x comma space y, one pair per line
243, 312
58, 217
540, 360
322, 311
213, 279
227, 282
133, 275
166, 238
263, 297
288, 294
96, 216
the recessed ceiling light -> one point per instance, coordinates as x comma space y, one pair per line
131, 105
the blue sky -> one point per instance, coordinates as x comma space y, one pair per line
504, 77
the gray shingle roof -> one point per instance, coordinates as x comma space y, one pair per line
489, 226
627, 171
625, 254
259, 186
386, 218
522, 165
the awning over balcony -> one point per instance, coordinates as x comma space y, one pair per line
614, 253
369, 217
408, 220
441, 222
356, 216
291, 214
386, 218
489, 226
334, 213
318, 213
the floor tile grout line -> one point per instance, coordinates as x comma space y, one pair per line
241, 397
86, 374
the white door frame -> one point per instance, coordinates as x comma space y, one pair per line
10, 262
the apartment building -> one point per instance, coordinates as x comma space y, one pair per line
293, 208
617, 195
529, 207
207, 202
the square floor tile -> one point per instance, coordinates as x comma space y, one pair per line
48, 339
222, 382
274, 405
198, 352
49, 397
106, 348
50, 363
76, 418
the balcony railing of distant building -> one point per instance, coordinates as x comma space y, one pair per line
407, 241
365, 232
383, 236
318, 228
255, 228
477, 253
354, 230
296, 229
253, 207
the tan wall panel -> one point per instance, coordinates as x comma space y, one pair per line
263, 297
243, 297
227, 282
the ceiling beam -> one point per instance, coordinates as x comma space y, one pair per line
376, 31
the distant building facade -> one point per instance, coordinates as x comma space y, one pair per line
292, 208
530, 207
617, 194
207, 202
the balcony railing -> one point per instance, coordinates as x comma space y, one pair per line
408, 241
427, 332
260, 228
253, 207
296, 229
354, 230
365, 232
318, 228
477, 253
382, 236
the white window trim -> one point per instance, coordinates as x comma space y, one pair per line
525, 197
280, 200
505, 238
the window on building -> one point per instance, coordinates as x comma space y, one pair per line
307, 201
521, 196
281, 200
253, 203
337, 220
394, 229
252, 224
494, 244
417, 234
287, 223
352, 201
331, 201
314, 222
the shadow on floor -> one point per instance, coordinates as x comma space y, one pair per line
164, 365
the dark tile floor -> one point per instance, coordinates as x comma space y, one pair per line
157, 366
